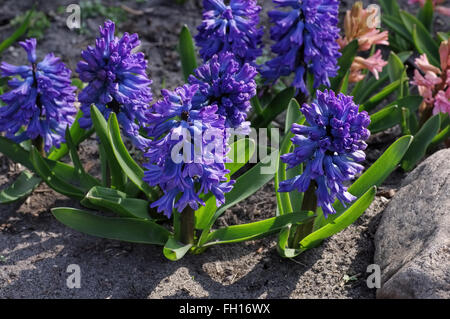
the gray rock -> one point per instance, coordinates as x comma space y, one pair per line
412, 243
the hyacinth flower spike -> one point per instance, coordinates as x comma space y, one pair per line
41, 100
305, 37
117, 82
433, 83
187, 155
330, 149
224, 82
230, 28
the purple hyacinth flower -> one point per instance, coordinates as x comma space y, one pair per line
117, 82
188, 152
41, 99
225, 83
329, 148
305, 41
232, 28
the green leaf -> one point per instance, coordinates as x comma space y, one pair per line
382, 168
439, 138
15, 152
118, 178
77, 134
283, 199
124, 229
256, 104
61, 170
51, 178
293, 115
115, 201
368, 87
245, 185
443, 36
18, 33
426, 15
22, 187
73, 153
405, 125
375, 175
422, 39
343, 86
279, 103
283, 242
134, 172
422, 140
377, 98
395, 67
384, 119
391, 7
240, 153
411, 102
239, 233
344, 62
339, 223
187, 53
396, 25
174, 250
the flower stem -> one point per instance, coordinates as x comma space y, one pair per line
309, 204
38, 142
187, 224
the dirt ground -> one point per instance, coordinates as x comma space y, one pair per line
35, 249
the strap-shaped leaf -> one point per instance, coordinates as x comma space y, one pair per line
52, 179
118, 178
283, 199
397, 26
395, 67
283, 242
411, 102
337, 224
17, 33
440, 137
390, 7
15, 152
278, 104
377, 98
374, 175
422, 39
364, 89
426, 15
112, 200
250, 231
422, 140
22, 187
240, 153
77, 134
134, 172
384, 119
293, 115
245, 185
187, 52
174, 250
126, 229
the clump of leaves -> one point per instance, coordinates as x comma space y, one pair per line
38, 23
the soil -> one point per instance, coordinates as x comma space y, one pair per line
35, 249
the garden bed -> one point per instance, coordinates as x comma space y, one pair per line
35, 249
